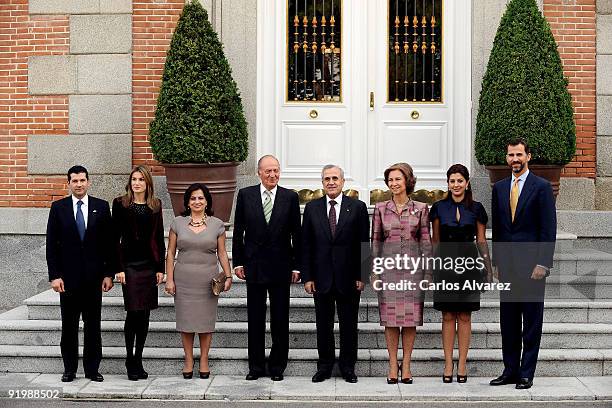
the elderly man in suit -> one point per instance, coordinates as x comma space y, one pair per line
334, 232
265, 251
79, 247
524, 232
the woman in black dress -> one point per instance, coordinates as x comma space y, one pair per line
456, 221
139, 239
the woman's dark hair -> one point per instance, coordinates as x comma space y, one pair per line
468, 200
195, 187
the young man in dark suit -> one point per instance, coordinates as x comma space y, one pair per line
524, 233
334, 232
265, 251
79, 250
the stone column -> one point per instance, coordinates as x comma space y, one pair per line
603, 185
97, 77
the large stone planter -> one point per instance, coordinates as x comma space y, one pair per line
220, 178
550, 172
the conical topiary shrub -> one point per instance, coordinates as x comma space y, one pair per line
524, 93
199, 116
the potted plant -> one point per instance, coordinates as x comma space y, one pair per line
199, 133
524, 94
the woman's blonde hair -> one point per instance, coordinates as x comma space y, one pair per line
152, 202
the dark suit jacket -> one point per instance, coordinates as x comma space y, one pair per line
530, 240
268, 252
335, 262
79, 263
125, 231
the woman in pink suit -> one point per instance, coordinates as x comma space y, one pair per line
400, 226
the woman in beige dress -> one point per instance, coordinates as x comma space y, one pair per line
200, 239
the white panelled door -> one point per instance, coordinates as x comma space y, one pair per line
382, 67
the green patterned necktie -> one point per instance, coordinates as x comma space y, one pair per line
267, 206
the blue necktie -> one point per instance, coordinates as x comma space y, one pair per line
80, 220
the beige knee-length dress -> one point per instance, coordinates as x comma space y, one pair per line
196, 265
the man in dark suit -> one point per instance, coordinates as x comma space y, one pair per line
524, 232
79, 244
265, 251
334, 232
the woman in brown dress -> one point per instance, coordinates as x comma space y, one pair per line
140, 250
200, 239
400, 227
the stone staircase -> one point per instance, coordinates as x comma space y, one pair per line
576, 341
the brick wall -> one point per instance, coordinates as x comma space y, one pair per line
21, 115
153, 23
573, 23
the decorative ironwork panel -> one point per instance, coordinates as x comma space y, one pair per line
415, 51
314, 50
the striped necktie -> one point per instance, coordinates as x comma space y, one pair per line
267, 206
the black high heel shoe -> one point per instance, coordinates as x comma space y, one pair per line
187, 375
142, 374
447, 379
204, 374
408, 380
462, 379
132, 373
394, 380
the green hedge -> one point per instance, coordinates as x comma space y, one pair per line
199, 116
524, 93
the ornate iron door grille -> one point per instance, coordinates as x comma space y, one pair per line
414, 51
313, 50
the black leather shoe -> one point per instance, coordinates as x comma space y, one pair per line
321, 376
68, 377
277, 377
350, 377
252, 377
97, 377
204, 375
503, 380
524, 384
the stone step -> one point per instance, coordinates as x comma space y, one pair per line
425, 362
572, 261
303, 335
590, 286
45, 306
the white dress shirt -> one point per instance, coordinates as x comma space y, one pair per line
337, 206
521, 183
262, 192
84, 207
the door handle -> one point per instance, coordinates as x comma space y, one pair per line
371, 101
